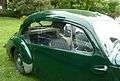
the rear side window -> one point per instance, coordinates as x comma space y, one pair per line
46, 23
40, 24
59, 35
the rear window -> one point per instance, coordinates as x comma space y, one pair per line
41, 24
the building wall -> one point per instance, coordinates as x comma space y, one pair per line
1, 4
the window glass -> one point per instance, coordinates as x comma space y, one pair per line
40, 24
35, 24
64, 41
60, 35
80, 41
46, 23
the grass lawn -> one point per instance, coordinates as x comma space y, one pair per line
7, 68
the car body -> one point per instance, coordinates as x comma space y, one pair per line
67, 45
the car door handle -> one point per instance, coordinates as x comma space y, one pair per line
101, 68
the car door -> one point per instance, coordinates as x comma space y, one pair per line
78, 60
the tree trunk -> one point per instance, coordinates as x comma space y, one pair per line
4, 4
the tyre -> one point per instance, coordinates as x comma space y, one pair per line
18, 61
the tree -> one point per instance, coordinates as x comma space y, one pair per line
26, 7
4, 4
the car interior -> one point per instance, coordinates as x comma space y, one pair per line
58, 35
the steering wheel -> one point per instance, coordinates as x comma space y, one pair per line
83, 46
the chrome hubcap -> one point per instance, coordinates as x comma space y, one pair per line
19, 63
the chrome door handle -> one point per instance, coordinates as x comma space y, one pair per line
101, 68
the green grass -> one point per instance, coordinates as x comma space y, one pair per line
8, 26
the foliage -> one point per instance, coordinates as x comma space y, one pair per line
117, 9
9, 26
102, 6
8, 13
79, 4
26, 7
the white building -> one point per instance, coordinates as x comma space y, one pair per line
1, 4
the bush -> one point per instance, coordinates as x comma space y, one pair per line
18, 8
26, 7
7, 13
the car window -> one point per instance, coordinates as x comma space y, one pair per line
34, 24
46, 23
40, 24
81, 41
60, 35
64, 41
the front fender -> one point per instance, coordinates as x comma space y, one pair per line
25, 54
24, 50
17, 42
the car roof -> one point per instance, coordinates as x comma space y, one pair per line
74, 15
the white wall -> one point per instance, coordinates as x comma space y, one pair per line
0, 7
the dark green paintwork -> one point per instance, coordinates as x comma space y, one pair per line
58, 14
61, 65
67, 66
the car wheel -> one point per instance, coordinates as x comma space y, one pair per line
18, 61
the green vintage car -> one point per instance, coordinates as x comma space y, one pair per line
67, 45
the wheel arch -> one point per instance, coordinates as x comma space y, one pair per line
12, 51
27, 67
